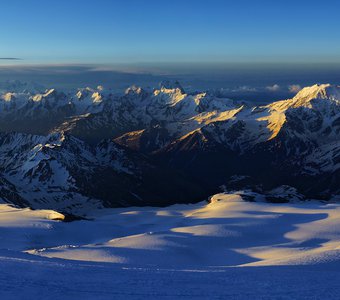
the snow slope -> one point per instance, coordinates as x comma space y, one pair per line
225, 248
232, 231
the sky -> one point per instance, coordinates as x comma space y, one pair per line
157, 31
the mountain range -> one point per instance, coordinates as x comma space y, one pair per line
95, 148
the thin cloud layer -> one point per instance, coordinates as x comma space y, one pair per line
273, 88
294, 88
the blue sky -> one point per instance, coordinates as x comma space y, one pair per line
150, 31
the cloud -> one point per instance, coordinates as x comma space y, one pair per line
244, 88
294, 88
273, 88
10, 58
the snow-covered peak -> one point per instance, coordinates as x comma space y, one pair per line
171, 85
16, 86
83, 92
51, 93
97, 97
87, 98
8, 97
132, 90
317, 91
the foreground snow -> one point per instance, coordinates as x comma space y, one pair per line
228, 248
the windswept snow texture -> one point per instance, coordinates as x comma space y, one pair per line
225, 249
